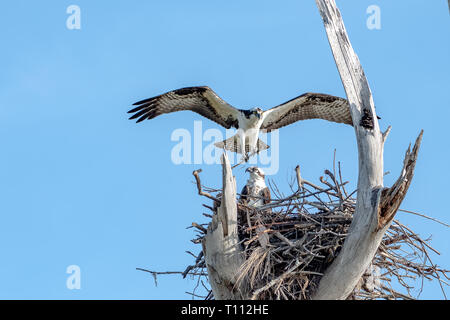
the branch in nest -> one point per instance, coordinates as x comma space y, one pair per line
199, 186
299, 179
156, 273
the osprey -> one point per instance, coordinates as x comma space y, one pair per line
207, 103
255, 193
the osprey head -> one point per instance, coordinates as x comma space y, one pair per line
257, 112
255, 172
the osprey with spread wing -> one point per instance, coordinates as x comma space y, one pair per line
207, 103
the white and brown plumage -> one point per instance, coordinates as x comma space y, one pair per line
255, 193
207, 103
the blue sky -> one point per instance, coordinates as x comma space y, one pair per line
82, 185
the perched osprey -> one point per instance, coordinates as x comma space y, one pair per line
207, 103
255, 193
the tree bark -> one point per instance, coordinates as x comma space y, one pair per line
376, 205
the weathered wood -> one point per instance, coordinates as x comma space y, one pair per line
392, 197
367, 227
299, 178
223, 254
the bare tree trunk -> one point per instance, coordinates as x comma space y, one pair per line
376, 206
223, 254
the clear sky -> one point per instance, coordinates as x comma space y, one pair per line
82, 185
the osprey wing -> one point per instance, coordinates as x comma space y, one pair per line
201, 100
265, 193
244, 194
308, 106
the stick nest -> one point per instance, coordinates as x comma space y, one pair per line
290, 242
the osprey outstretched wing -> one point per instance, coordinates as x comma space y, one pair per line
201, 100
308, 106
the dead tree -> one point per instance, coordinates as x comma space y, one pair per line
375, 206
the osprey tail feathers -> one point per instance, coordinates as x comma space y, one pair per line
234, 144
